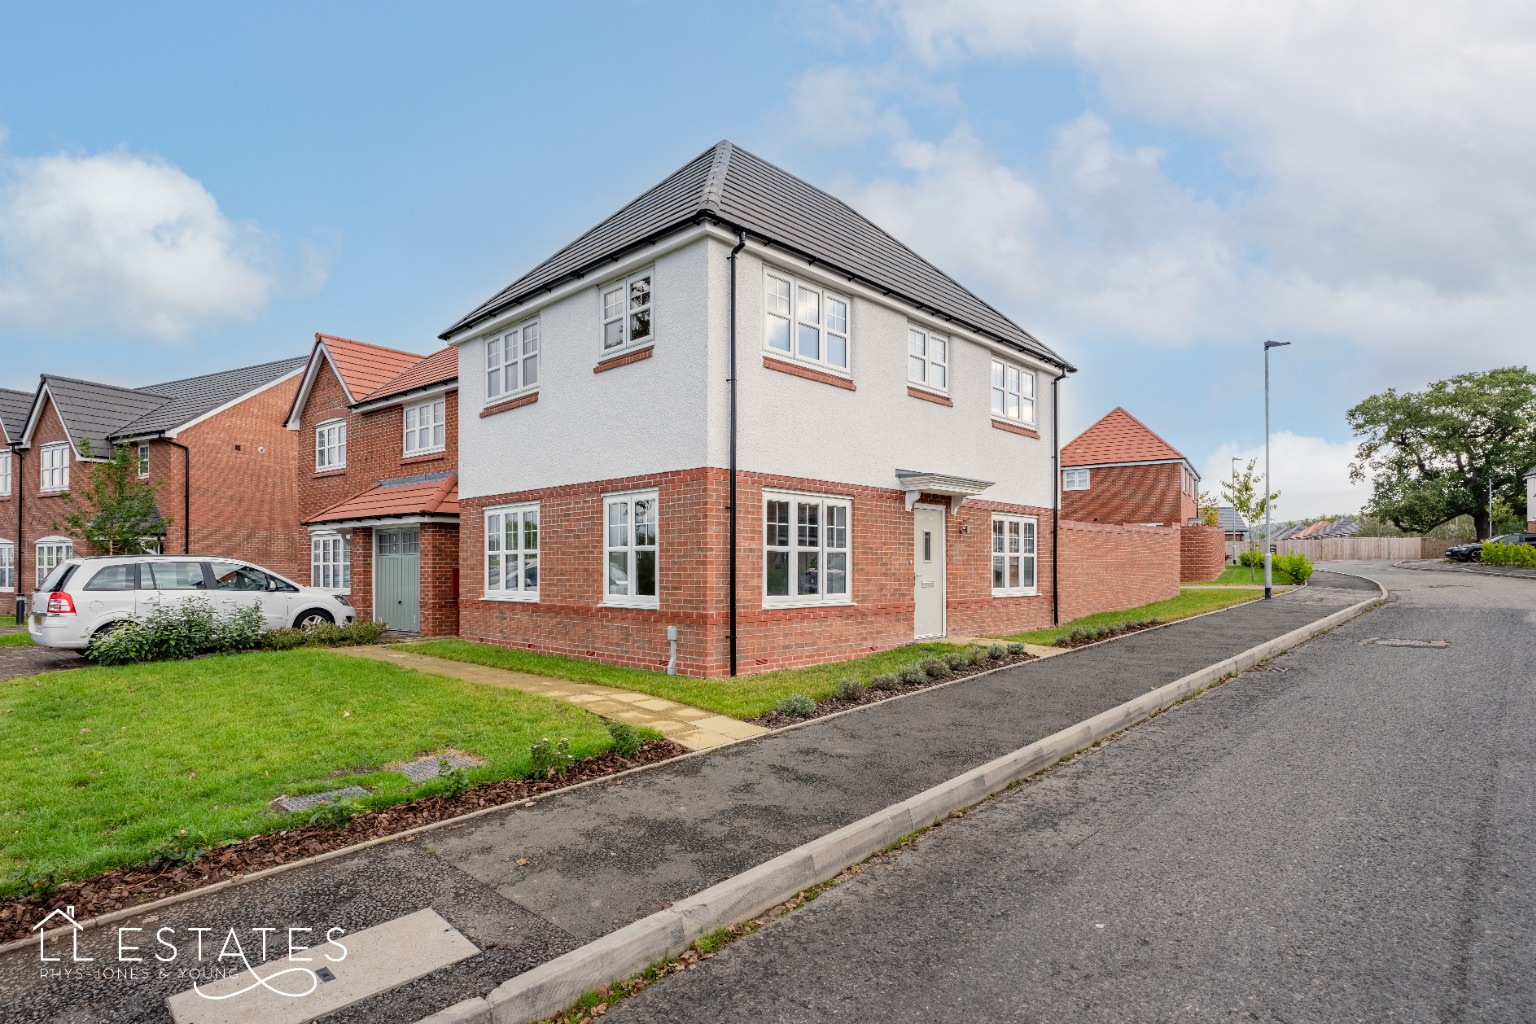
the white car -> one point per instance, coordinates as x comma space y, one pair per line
83, 597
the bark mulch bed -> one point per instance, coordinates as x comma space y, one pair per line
1069, 642
129, 886
832, 705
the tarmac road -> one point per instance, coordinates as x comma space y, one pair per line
1351, 838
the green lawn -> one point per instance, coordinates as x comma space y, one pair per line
20, 639
102, 764
1239, 575
744, 697
1191, 601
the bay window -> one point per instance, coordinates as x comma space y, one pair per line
629, 547
627, 312
1013, 392
1013, 556
330, 562
512, 361
805, 321
424, 426
512, 552
806, 549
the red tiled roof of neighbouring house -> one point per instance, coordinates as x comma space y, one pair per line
1312, 531
435, 495
1118, 437
364, 367
438, 368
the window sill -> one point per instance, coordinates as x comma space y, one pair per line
635, 355
512, 598
506, 404
935, 397
338, 471
1015, 428
771, 605
1015, 593
645, 606
441, 453
808, 373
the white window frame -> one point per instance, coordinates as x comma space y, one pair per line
493, 546
1028, 552
7, 566
625, 538
49, 554
330, 562
434, 427
1076, 480
1002, 390
512, 362
794, 544
143, 462
330, 445
795, 314
55, 477
5, 474
922, 365
617, 311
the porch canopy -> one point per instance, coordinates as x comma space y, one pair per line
955, 488
430, 498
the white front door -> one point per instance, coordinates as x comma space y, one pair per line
928, 570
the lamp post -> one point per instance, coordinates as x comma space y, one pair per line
1268, 536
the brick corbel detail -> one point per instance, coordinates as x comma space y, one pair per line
805, 372
929, 396
1015, 429
516, 403
623, 360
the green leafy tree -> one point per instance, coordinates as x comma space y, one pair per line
1206, 509
115, 511
1244, 493
1434, 454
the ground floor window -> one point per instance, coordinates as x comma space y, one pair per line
512, 552
330, 561
629, 548
1013, 556
806, 544
7, 565
50, 552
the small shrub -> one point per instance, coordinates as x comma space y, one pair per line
973, 655
36, 881
548, 759
933, 668
1518, 555
361, 634
282, 639
455, 781
1017, 649
332, 813
912, 676
182, 847
180, 631
997, 652
1298, 568
238, 632
626, 739
798, 705
1253, 558
885, 682
850, 689
124, 644
1154, 621
323, 634
955, 660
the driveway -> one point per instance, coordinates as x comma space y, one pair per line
1347, 836
29, 661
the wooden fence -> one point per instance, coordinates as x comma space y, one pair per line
1352, 549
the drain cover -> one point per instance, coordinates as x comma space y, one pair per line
1277, 669
430, 768
1394, 641
290, 804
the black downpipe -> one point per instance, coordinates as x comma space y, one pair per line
1056, 499
741, 243
186, 494
21, 499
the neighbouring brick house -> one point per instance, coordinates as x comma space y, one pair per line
14, 406
213, 443
377, 480
888, 435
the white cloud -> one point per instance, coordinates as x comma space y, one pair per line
124, 245
1311, 474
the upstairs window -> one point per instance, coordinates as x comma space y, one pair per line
927, 359
1013, 392
330, 445
627, 312
143, 462
512, 361
5, 474
55, 467
424, 427
1074, 479
629, 522
806, 545
805, 321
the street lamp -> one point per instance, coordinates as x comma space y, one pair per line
1268, 535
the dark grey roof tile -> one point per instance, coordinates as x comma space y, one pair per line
14, 407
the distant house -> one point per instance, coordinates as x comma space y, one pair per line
14, 406
1119, 471
1234, 525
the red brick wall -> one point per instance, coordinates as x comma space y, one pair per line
1131, 494
569, 617
439, 579
1111, 567
1202, 553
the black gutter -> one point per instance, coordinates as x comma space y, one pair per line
186, 493
741, 243
1056, 499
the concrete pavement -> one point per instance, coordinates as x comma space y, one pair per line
1344, 836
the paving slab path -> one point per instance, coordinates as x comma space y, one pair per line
534, 881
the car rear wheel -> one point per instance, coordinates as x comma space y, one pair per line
313, 617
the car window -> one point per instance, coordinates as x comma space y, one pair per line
234, 576
115, 577
59, 576
177, 575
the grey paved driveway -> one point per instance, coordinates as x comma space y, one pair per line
1350, 839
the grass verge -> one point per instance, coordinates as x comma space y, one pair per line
744, 697
103, 764
19, 639
1191, 601
1242, 576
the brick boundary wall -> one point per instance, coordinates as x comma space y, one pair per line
1109, 568
1202, 553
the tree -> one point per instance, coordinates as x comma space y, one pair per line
1435, 453
1206, 510
115, 511
1248, 500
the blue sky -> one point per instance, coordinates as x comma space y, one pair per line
1152, 188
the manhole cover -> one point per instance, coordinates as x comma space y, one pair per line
1395, 641
290, 804
431, 767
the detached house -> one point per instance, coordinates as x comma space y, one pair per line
1119, 471
213, 443
739, 416
14, 406
377, 480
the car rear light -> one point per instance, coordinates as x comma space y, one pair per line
60, 603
